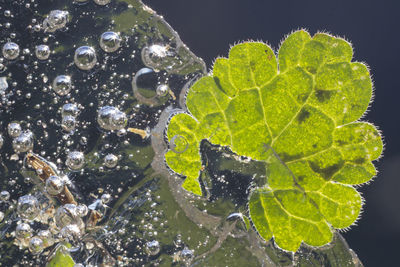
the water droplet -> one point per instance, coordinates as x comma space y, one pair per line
4, 196
178, 144
68, 123
102, 2
54, 185
10, 50
110, 41
23, 143
153, 247
36, 245
28, 207
85, 57
162, 90
82, 210
70, 110
110, 118
46, 237
75, 160
14, 129
57, 19
42, 52
62, 84
110, 160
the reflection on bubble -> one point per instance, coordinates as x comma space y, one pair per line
110, 41
153, 247
75, 160
162, 90
57, 19
54, 185
10, 51
68, 123
69, 110
62, 85
36, 245
85, 57
23, 143
14, 129
28, 207
111, 118
110, 160
42, 52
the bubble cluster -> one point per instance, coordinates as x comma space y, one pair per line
57, 19
111, 118
85, 57
10, 51
68, 214
14, 129
24, 142
110, 41
62, 85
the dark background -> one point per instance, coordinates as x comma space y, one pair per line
209, 27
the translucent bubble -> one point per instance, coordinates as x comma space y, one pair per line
1, 216
10, 51
42, 52
158, 56
62, 84
23, 143
85, 57
23, 231
46, 237
1, 141
75, 160
110, 118
54, 185
187, 255
110, 41
4, 196
153, 247
82, 210
68, 123
162, 90
36, 245
71, 232
110, 160
28, 207
14, 129
102, 2
66, 215
146, 81
105, 198
57, 19
98, 206
70, 110
178, 144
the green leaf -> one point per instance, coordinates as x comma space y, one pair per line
299, 114
61, 259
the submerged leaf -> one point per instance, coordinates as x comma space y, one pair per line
299, 114
61, 259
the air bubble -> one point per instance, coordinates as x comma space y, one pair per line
82, 210
42, 52
110, 42
68, 123
105, 198
158, 56
111, 118
46, 237
28, 207
23, 231
71, 232
4, 196
62, 85
162, 90
14, 129
36, 245
153, 247
70, 110
110, 161
85, 57
75, 160
57, 19
66, 215
10, 50
146, 81
54, 185
23, 143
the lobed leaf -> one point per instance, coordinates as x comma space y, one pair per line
300, 115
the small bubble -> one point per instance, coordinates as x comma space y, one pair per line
70, 110
153, 247
28, 207
57, 19
75, 160
110, 42
158, 56
14, 129
23, 231
110, 160
4, 196
36, 245
66, 215
71, 232
23, 143
85, 57
105, 198
62, 85
82, 210
42, 52
46, 237
10, 50
68, 123
162, 90
111, 118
